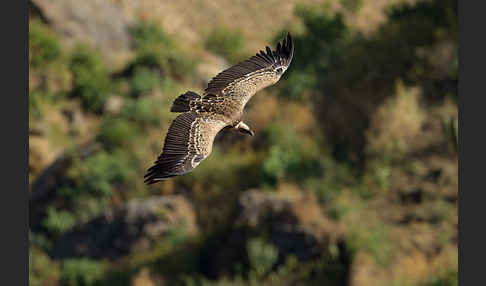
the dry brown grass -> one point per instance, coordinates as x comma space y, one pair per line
193, 19
364, 271
258, 20
371, 14
397, 124
143, 278
55, 133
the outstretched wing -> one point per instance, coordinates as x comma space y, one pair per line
246, 78
188, 142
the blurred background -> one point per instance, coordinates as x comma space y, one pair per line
350, 179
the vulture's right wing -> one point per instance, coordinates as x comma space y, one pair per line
188, 142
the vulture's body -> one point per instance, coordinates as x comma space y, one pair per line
191, 135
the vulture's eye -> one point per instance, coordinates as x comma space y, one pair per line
279, 70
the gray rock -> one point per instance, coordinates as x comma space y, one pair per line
114, 104
292, 222
132, 228
47, 182
44, 189
97, 22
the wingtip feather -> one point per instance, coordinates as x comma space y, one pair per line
156, 174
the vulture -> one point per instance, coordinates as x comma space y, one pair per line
190, 137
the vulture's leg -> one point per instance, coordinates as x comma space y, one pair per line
243, 128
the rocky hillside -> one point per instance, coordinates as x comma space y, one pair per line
351, 177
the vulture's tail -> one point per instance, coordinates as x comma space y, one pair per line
182, 103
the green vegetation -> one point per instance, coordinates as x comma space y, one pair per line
145, 111
41, 269
227, 43
58, 222
144, 81
287, 158
91, 81
117, 132
81, 272
97, 174
36, 98
363, 126
449, 279
149, 34
159, 53
262, 256
43, 45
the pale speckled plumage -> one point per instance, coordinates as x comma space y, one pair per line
191, 135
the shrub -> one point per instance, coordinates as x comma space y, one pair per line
226, 43
42, 270
287, 157
324, 32
117, 132
365, 230
165, 60
281, 159
38, 240
396, 124
81, 272
35, 100
145, 111
155, 50
147, 34
88, 188
58, 221
335, 178
451, 278
144, 81
91, 80
97, 174
261, 256
297, 85
82, 205
44, 47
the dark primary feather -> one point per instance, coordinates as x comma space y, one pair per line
282, 56
174, 157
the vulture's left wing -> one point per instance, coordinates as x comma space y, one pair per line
243, 80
